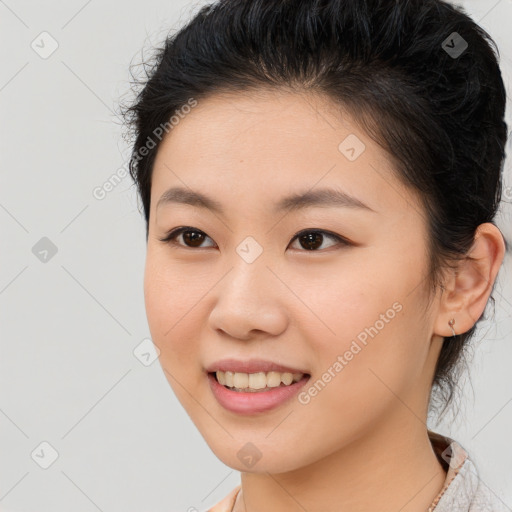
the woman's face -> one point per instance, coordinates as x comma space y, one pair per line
346, 317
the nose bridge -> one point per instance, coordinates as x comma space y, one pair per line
246, 299
250, 250
249, 268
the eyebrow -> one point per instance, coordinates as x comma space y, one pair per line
324, 197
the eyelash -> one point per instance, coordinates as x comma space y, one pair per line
170, 238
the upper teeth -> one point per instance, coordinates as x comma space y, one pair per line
257, 380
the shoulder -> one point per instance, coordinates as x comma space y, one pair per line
465, 491
227, 503
471, 492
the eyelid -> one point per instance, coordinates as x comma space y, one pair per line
170, 237
338, 238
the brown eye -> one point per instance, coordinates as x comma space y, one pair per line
192, 237
311, 240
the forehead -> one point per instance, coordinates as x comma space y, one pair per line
271, 144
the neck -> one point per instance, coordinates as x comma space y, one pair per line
391, 468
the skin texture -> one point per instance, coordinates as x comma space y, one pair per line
361, 443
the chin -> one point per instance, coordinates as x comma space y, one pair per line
252, 457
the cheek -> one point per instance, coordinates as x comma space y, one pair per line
366, 314
170, 302
344, 301
368, 327
175, 330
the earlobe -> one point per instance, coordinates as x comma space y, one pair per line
468, 288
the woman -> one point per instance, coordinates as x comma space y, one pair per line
320, 180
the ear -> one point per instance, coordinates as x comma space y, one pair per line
467, 289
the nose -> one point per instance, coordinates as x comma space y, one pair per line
249, 302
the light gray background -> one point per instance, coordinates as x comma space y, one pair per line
70, 325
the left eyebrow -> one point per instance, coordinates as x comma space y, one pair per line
324, 197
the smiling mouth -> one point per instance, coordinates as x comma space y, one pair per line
256, 382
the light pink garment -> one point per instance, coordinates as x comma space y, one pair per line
463, 490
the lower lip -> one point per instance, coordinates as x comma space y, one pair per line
250, 403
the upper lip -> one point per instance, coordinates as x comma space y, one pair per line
250, 366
